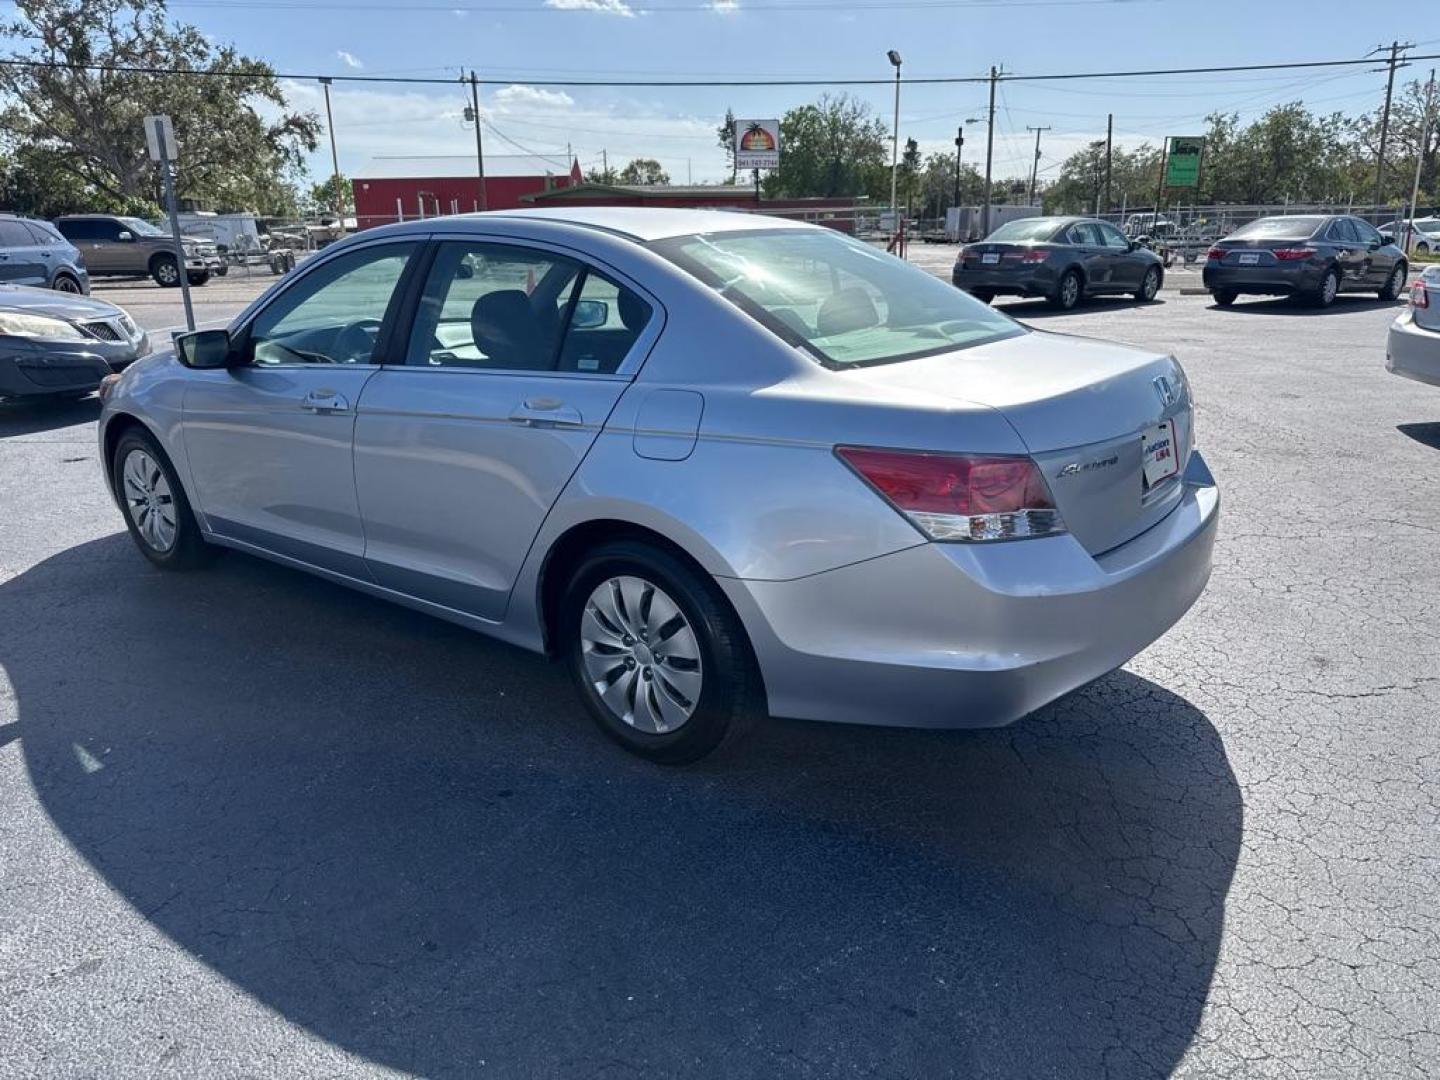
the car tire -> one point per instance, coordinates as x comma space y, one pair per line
605, 643
1149, 285
1329, 289
163, 269
1395, 285
145, 484
1224, 297
983, 296
198, 279
1067, 291
222, 270
66, 283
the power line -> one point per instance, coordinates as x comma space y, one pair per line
126, 69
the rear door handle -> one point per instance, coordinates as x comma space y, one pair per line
324, 401
546, 412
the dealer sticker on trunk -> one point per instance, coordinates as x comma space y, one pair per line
1158, 452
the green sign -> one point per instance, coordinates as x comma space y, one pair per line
1182, 162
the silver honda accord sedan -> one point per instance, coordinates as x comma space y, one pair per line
723, 466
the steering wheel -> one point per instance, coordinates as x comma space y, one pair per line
356, 343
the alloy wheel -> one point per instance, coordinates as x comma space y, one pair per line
149, 500
1152, 284
66, 284
1069, 291
167, 273
1329, 288
641, 654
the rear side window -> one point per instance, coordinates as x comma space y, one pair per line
44, 233
84, 229
14, 234
1342, 230
504, 307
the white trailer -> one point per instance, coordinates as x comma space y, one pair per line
963, 223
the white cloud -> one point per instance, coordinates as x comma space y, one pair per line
532, 95
604, 7
724, 7
349, 59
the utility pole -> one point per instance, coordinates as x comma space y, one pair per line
1035, 165
989, 154
1395, 49
605, 164
479, 143
334, 158
1109, 155
959, 149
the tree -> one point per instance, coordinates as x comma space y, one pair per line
78, 132
909, 174
1080, 187
833, 147
322, 196
605, 175
725, 139
1407, 113
646, 171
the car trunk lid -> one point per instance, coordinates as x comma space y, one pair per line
1082, 408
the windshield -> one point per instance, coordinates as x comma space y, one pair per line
1026, 229
844, 302
1427, 225
1278, 228
140, 228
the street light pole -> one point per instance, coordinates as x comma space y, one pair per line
895, 143
959, 149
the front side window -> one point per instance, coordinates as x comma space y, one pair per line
1342, 231
504, 307
844, 302
1365, 232
333, 314
141, 227
1113, 237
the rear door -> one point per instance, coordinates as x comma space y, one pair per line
20, 257
517, 355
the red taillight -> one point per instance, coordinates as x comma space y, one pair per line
1029, 255
960, 496
1419, 297
1292, 254
1215, 253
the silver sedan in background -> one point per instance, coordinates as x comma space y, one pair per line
1413, 347
721, 465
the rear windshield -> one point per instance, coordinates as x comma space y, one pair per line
844, 302
1278, 228
1026, 229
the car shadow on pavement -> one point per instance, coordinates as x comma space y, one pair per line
409, 841
1285, 305
1040, 309
1427, 434
37, 416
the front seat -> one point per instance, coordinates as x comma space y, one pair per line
506, 330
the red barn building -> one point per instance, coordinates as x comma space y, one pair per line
405, 188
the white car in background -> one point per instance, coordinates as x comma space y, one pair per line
1413, 348
1422, 235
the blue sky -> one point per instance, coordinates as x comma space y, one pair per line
522, 41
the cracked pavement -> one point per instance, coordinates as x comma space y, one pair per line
253, 824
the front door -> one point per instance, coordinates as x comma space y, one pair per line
517, 356
270, 440
1085, 237
1380, 263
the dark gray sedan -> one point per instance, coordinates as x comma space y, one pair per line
1063, 259
1314, 257
54, 344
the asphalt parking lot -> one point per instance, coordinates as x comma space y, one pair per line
253, 824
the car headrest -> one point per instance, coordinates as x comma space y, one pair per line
634, 312
506, 330
849, 309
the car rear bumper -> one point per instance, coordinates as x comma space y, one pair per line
1030, 281
1413, 351
32, 369
1268, 280
969, 636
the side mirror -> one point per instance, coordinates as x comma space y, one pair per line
590, 315
1132, 245
1375, 244
204, 350
125, 236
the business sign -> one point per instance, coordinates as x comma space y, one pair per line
757, 144
1182, 163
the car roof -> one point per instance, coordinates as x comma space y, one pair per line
640, 223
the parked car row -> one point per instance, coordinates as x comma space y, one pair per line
64, 254
1066, 259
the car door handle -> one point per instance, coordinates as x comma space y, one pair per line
546, 412
327, 401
